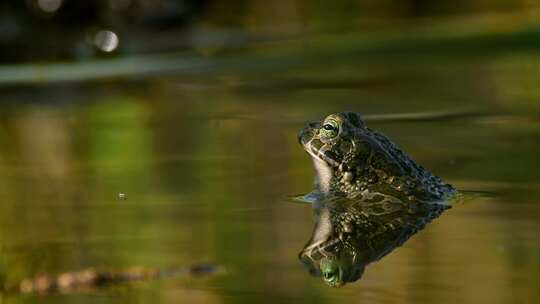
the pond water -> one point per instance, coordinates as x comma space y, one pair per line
170, 160
204, 167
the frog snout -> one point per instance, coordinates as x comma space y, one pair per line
307, 133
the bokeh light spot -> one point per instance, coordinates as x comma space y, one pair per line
49, 6
106, 41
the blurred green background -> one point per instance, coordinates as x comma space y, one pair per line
191, 109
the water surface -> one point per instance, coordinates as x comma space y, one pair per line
206, 168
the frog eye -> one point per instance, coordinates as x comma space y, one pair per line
330, 129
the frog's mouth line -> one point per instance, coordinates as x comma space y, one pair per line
322, 154
323, 163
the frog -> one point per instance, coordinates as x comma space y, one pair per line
352, 160
369, 197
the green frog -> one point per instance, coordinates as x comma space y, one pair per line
370, 197
352, 160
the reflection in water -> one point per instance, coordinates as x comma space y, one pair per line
351, 233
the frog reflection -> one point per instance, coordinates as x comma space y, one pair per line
351, 233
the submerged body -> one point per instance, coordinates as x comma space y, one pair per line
370, 197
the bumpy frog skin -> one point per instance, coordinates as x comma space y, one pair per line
352, 159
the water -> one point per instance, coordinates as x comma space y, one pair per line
206, 169
156, 170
